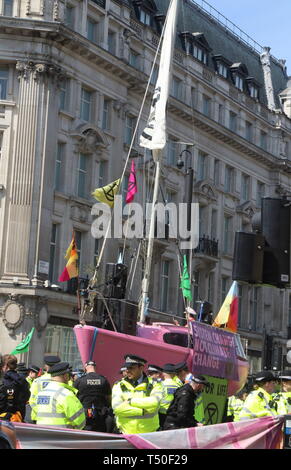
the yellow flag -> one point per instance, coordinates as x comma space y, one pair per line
107, 193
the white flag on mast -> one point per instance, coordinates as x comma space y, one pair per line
154, 134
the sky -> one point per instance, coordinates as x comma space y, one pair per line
266, 21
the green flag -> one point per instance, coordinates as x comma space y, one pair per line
185, 281
24, 345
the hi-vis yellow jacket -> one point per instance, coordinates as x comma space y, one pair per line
136, 407
234, 407
57, 405
258, 403
169, 388
283, 400
35, 388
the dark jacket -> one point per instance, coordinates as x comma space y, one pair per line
14, 393
180, 413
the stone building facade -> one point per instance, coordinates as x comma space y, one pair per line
72, 79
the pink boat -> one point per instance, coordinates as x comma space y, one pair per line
158, 343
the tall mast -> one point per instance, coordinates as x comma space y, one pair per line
146, 279
154, 135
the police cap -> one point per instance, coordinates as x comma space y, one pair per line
131, 360
51, 360
90, 363
264, 376
60, 368
181, 366
169, 368
122, 369
20, 365
285, 375
22, 370
153, 368
34, 368
199, 379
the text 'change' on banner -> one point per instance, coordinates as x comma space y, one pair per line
214, 352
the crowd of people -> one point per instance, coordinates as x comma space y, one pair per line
167, 397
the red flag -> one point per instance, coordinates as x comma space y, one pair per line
132, 186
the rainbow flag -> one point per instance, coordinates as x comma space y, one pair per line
132, 186
71, 269
228, 313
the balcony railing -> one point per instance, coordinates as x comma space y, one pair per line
207, 246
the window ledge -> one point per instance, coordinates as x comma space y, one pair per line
7, 103
66, 114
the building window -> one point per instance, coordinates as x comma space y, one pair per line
70, 16
206, 105
221, 114
82, 176
111, 42
210, 294
249, 131
8, 7
239, 82
129, 129
171, 150
101, 176
64, 95
222, 69
53, 244
245, 188
224, 288
229, 179
196, 295
61, 340
203, 214
263, 140
106, 114
154, 75
213, 224
59, 166
253, 91
145, 17
200, 54
254, 309
78, 239
134, 59
124, 188
92, 30
3, 82
289, 312
227, 235
86, 104
202, 162
193, 97
165, 285
176, 88
232, 121
260, 193
216, 177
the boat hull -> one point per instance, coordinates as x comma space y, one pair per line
110, 347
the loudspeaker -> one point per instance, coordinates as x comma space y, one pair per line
248, 257
276, 230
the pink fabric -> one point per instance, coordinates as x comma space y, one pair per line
132, 186
261, 433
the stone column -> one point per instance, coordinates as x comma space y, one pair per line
26, 171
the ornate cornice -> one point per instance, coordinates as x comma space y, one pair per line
28, 68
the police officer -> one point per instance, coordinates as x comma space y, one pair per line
182, 372
260, 402
14, 391
32, 374
283, 398
155, 373
94, 392
135, 399
57, 404
235, 404
170, 385
180, 413
41, 381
